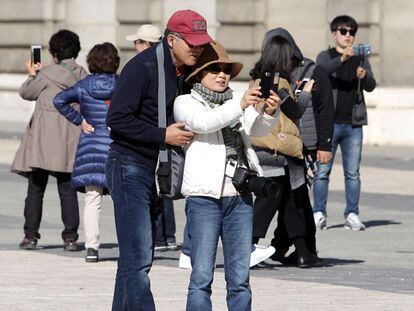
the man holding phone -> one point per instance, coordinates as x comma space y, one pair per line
349, 75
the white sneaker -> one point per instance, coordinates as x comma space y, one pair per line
260, 253
184, 262
320, 220
353, 222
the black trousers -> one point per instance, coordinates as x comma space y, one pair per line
295, 217
34, 204
166, 224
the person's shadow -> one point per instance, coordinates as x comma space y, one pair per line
81, 246
325, 262
371, 223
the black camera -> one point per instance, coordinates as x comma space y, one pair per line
247, 181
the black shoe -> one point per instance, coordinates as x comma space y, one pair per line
263, 265
91, 255
309, 262
279, 255
70, 245
28, 243
172, 246
291, 260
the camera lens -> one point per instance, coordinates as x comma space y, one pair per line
263, 187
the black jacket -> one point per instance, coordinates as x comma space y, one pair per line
133, 112
332, 64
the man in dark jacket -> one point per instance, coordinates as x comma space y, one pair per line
349, 75
130, 169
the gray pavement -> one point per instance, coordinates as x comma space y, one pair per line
370, 270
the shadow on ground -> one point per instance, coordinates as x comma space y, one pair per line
371, 223
325, 263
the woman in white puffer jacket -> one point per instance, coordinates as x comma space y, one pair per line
214, 207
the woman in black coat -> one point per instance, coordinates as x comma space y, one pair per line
93, 95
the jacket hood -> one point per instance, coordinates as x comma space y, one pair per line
100, 85
281, 32
64, 74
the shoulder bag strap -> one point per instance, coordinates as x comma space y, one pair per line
162, 110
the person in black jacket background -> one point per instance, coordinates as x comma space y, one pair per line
132, 159
347, 73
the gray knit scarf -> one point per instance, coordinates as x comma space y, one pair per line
213, 98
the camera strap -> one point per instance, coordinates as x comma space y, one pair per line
359, 92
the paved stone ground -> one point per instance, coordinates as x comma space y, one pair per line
370, 270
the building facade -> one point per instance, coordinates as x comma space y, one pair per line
238, 24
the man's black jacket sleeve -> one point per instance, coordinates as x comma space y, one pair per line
324, 109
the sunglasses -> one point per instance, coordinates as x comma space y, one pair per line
217, 68
344, 31
179, 36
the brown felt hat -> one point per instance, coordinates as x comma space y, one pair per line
214, 53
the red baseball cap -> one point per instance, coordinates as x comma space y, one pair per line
191, 26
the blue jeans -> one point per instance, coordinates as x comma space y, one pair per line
207, 220
131, 185
185, 247
350, 140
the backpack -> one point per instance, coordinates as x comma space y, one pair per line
307, 122
171, 159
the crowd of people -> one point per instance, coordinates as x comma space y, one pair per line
99, 133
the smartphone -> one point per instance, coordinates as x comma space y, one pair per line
267, 83
362, 49
36, 54
299, 89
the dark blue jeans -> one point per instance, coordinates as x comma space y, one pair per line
350, 140
230, 218
131, 185
186, 246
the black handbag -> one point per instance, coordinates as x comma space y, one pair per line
359, 112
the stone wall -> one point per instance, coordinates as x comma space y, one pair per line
238, 24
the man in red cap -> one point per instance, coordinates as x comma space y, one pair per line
130, 168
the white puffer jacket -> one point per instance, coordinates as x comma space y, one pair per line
205, 158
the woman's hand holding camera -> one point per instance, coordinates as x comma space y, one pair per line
250, 97
272, 103
32, 68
